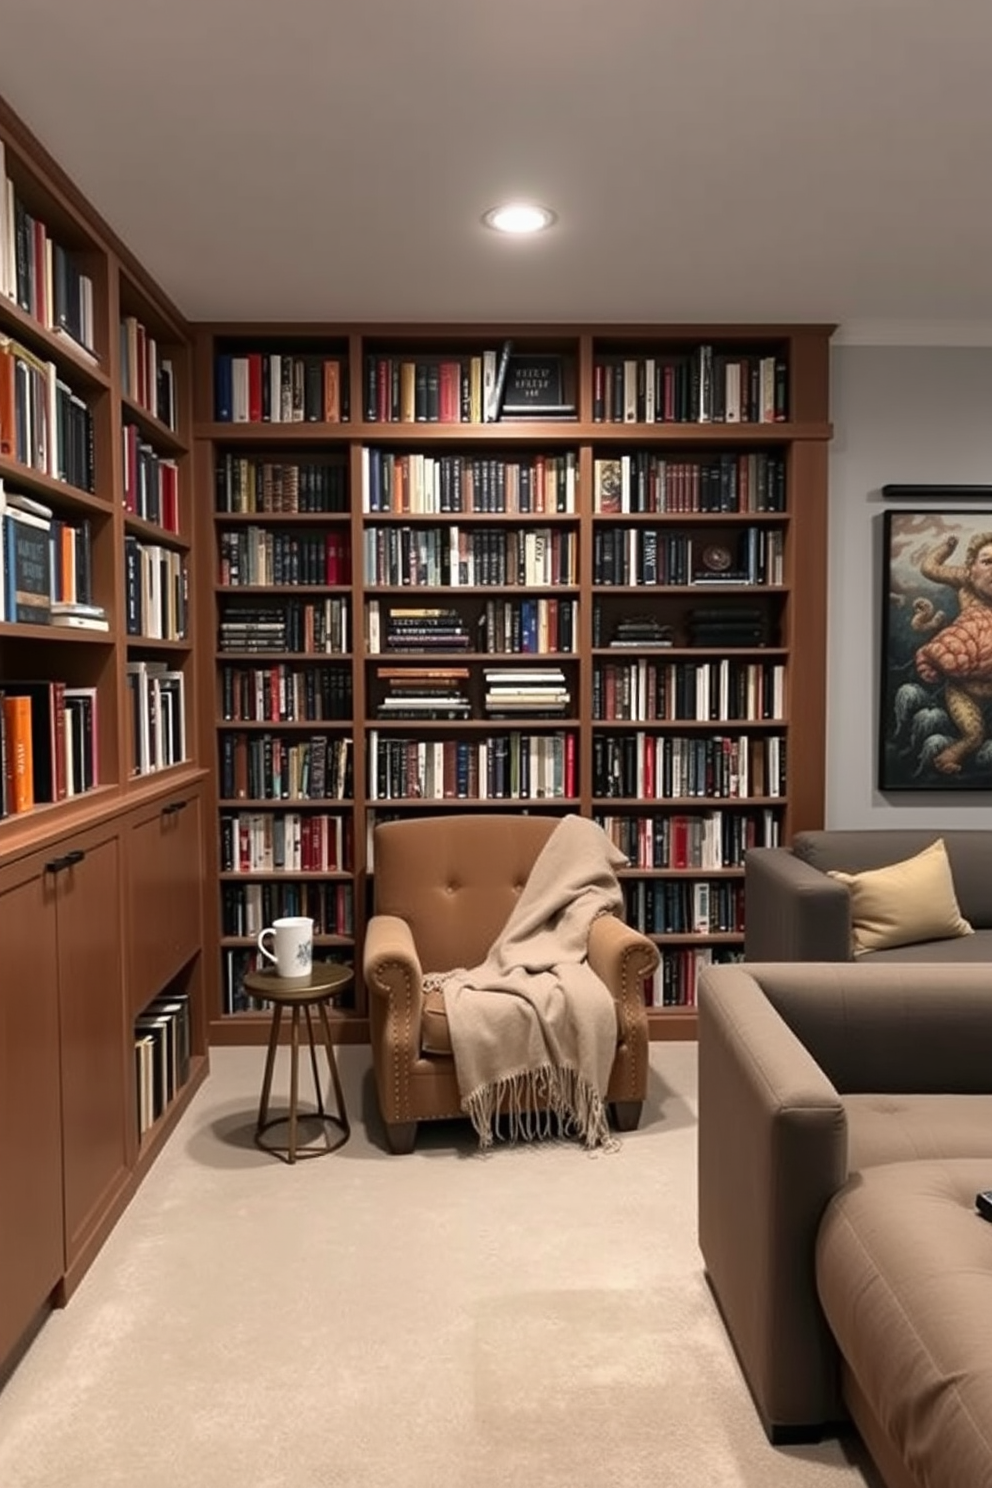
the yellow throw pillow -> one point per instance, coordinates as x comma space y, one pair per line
904, 903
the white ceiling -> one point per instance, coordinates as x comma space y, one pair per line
708, 159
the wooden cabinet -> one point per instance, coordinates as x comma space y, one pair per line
88, 877
31, 1232
165, 892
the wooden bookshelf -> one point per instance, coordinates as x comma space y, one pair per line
90, 943
763, 776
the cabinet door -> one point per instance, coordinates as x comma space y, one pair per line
31, 1254
165, 886
95, 1031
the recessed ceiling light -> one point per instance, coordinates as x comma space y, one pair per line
519, 217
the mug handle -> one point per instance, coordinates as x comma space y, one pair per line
263, 948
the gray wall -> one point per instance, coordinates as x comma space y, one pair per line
915, 415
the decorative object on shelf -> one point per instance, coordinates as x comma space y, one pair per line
936, 651
717, 558
535, 388
896, 492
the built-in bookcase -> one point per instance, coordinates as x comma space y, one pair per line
101, 859
521, 568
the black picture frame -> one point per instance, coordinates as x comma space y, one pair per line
935, 724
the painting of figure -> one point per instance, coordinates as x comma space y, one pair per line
936, 724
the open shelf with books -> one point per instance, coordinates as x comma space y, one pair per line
70, 805
558, 599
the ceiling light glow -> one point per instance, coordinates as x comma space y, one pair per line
519, 218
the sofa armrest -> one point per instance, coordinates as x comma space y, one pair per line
772, 1151
793, 912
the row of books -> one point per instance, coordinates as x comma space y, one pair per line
285, 694
632, 556
46, 565
48, 743
702, 386
645, 691
311, 628
703, 839
151, 481
156, 716
528, 627
265, 767
662, 767
645, 481
676, 977
456, 557
422, 483
248, 484
269, 387
148, 377
258, 556
156, 591
39, 274
673, 906
503, 767
247, 908
281, 842
43, 424
161, 1056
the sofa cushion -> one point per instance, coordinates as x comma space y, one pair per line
903, 903
885, 1129
961, 950
904, 1275
969, 852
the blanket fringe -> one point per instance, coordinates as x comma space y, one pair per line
544, 1102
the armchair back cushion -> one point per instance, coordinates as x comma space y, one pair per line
455, 887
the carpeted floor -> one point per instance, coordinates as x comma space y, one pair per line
443, 1320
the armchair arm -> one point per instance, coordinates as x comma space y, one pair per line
772, 1150
622, 957
793, 912
394, 981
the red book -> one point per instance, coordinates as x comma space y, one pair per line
255, 387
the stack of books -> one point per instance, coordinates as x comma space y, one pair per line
538, 692
727, 626
424, 692
641, 632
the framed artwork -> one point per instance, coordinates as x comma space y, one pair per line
935, 730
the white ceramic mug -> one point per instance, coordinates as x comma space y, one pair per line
293, 945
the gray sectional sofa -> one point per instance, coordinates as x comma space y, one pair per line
845, 1126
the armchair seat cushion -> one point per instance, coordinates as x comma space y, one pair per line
435, 1035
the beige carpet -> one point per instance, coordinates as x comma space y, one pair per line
438, 1321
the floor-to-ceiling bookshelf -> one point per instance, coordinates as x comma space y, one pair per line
647, 529
101, 831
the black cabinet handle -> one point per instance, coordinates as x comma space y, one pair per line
68, 860
173, 807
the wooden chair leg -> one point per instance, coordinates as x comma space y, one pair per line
401, 1136
626, 1114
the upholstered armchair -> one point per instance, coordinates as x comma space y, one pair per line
443, 889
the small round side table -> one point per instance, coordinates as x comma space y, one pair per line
301, 994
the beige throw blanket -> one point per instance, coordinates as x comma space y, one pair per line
533, 1025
